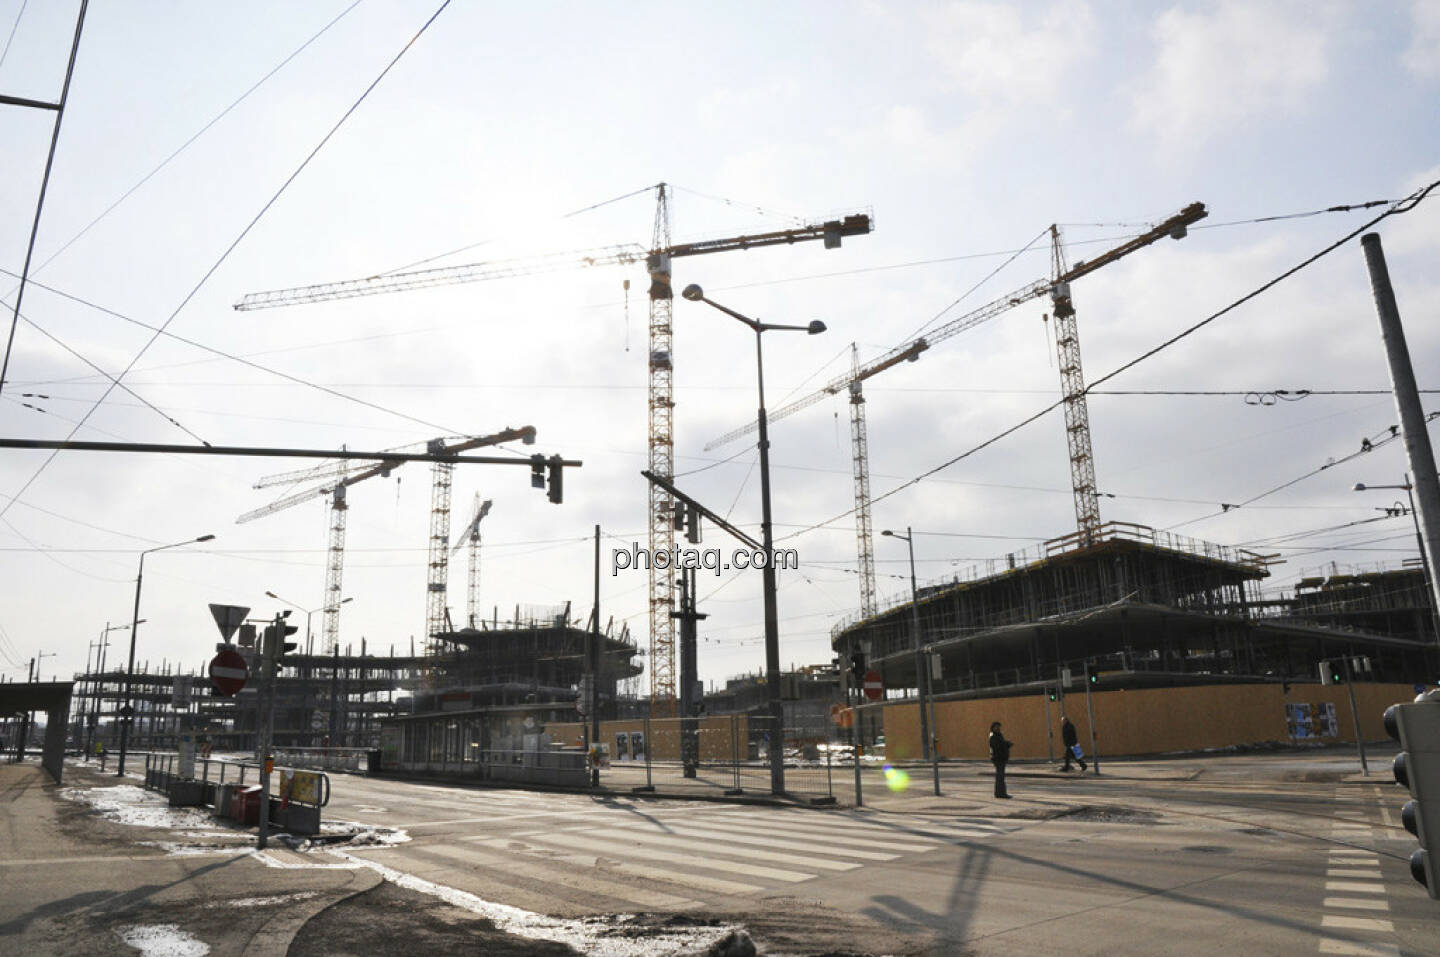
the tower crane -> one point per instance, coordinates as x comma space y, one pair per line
442, 474
471, 536
1087, 512
661, 406
338, 479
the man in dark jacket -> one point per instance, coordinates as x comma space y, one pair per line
1072, 740
999, 755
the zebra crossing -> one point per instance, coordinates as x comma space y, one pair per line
1355, 918
675, 858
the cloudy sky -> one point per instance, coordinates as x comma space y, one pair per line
506, 130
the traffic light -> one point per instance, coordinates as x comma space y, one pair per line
557, 488
1094, 678
1054, 695
1331, 675
275, 646
1417, 727
857, 666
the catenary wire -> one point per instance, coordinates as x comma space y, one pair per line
239, 238
1403, 206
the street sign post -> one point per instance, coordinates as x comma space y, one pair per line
874, 686
228, 618
228, 672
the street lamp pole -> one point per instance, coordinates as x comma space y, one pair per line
928, 751
308, 614
772, 627
127, 713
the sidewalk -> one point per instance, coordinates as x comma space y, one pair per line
78, 882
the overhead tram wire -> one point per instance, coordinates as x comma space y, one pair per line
59, 108
296, 380
485, 242
189, 142
234, 243
1399, 207
1368, 444
19, 14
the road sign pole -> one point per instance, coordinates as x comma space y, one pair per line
269, 648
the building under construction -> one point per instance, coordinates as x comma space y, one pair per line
1133, 609
339, 700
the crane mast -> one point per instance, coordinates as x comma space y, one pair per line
442, 478
1072, 376
662, 460
471, 535
864, 537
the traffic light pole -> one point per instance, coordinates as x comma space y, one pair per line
269, 649
1355, 715
1090, 711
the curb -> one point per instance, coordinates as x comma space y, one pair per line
279, 933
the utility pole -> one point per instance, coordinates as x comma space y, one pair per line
593, 665
1412, 416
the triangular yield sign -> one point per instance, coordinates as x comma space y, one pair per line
229, 618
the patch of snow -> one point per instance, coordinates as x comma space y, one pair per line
586, 935
128, 804
267, 901
163, 940
365, 834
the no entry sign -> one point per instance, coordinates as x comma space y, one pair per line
228, 672
874, 686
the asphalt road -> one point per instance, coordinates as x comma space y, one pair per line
1214, 861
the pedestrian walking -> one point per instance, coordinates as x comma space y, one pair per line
1072, 744
999, 755
100, 753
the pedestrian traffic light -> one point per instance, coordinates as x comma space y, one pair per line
1417, 727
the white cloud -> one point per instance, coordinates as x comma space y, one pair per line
1422, 57
994, 52
1216, 71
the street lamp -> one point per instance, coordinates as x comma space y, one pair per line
97, 683
928, 751
127, 713
772, 629
271, 594
1419, 541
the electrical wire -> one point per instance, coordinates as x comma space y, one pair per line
13, 27
44, 188
1402, 206
237, 240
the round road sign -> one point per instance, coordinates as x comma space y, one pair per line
874, 686
228, 672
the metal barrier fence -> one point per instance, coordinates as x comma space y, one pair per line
294, 805
326, 759
725, 755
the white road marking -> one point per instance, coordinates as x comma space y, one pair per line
574, 875
1354, 949
1356, 903
1355, 887
710, 864
875, 837
698, 881
1357, 923
706, 840
748, 835
1353, 872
